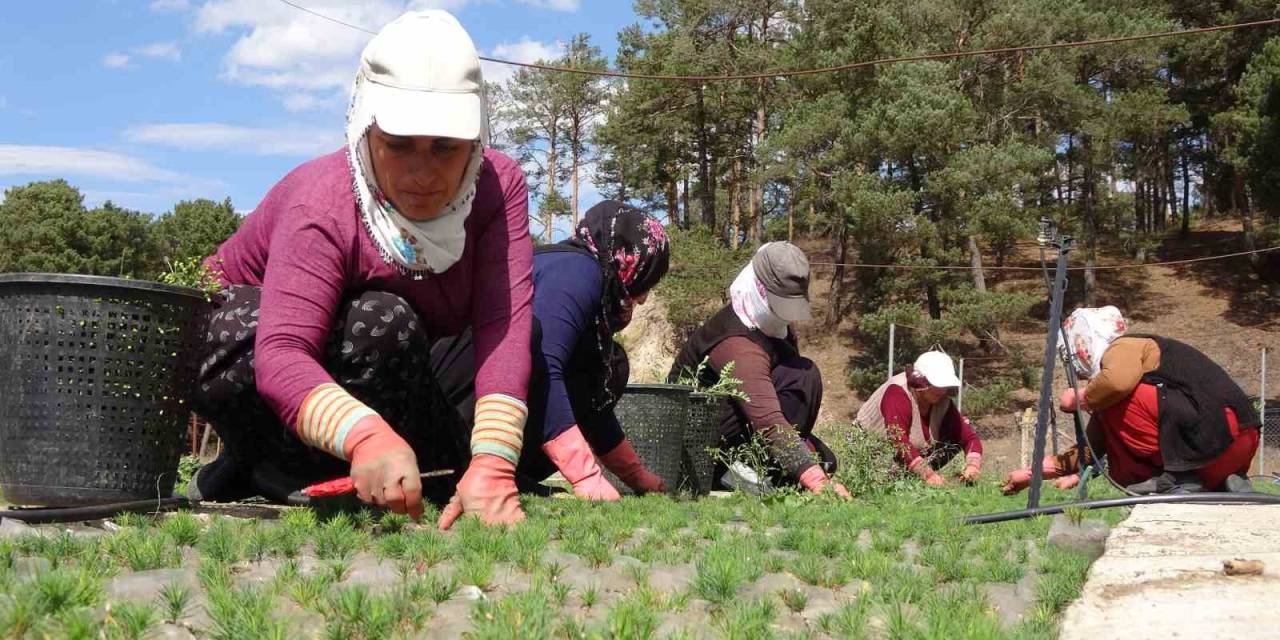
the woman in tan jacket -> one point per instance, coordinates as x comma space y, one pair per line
1168, 417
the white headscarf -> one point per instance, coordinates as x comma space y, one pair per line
751, 305
414, 248
1086, 335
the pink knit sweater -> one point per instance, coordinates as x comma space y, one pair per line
306, 246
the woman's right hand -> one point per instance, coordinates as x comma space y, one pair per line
488, 490
384, 468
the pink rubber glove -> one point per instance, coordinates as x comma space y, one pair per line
1021, 478
972, 468
625, 464
1070, 400
1067, 482
384, 468
815, 480
921, 468
572, 455
487, 489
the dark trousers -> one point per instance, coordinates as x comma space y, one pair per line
798, 384
377, 351
454, 359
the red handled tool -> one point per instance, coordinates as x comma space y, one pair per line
346, 486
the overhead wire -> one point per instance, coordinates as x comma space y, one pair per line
850, 66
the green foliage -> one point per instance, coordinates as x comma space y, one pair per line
990, 398
193, 273
174, 600
131, 621
696, 285
195, 228
725, 386
867, 464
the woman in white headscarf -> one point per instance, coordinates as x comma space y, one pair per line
1168, 418
316, 356
753, 335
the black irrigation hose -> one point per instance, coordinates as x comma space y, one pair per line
1206, 498
95, 512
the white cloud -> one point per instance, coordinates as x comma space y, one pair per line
167, 50
170, 5
232, 138
300, 101
295, 52
525, 50
115, 61
557, 5
16, 159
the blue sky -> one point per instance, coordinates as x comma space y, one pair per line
147, 102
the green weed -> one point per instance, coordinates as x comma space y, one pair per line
131, 621
65, 588
183, 528
794, 599
174, 600
749, 620
243, 613
632, 619
338, 538
521, 615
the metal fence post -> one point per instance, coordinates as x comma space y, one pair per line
960, 393
1262, 434
892, 327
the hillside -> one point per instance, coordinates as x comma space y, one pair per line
1221, 307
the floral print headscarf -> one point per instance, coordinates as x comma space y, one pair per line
633, 253
1086, 335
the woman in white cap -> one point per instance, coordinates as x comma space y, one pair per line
316, 357
754, 334
915, 410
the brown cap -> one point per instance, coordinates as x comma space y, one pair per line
784, 271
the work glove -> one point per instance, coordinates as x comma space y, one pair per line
572, 455
972, 468
625, 464
384, 468
815, 480
1020, 479
487, 489
921, 468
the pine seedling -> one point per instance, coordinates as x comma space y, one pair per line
174, 599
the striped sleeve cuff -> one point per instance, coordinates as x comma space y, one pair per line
499, 427
327, 416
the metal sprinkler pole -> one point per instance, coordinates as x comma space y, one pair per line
1063, 244
892, 327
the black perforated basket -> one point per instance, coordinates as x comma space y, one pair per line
697, 467
94, 373
654, 417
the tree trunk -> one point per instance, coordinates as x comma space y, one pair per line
975, 261
1139, 193
1186, 195
673, 201
708, 192
735, 203
1171, 186
841, 252
573, 203
553, 166
1090, 223
684, 200
1242, 202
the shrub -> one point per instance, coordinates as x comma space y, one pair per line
701, 270
866, 458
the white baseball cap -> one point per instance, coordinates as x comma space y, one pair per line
422, 78
938, 369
